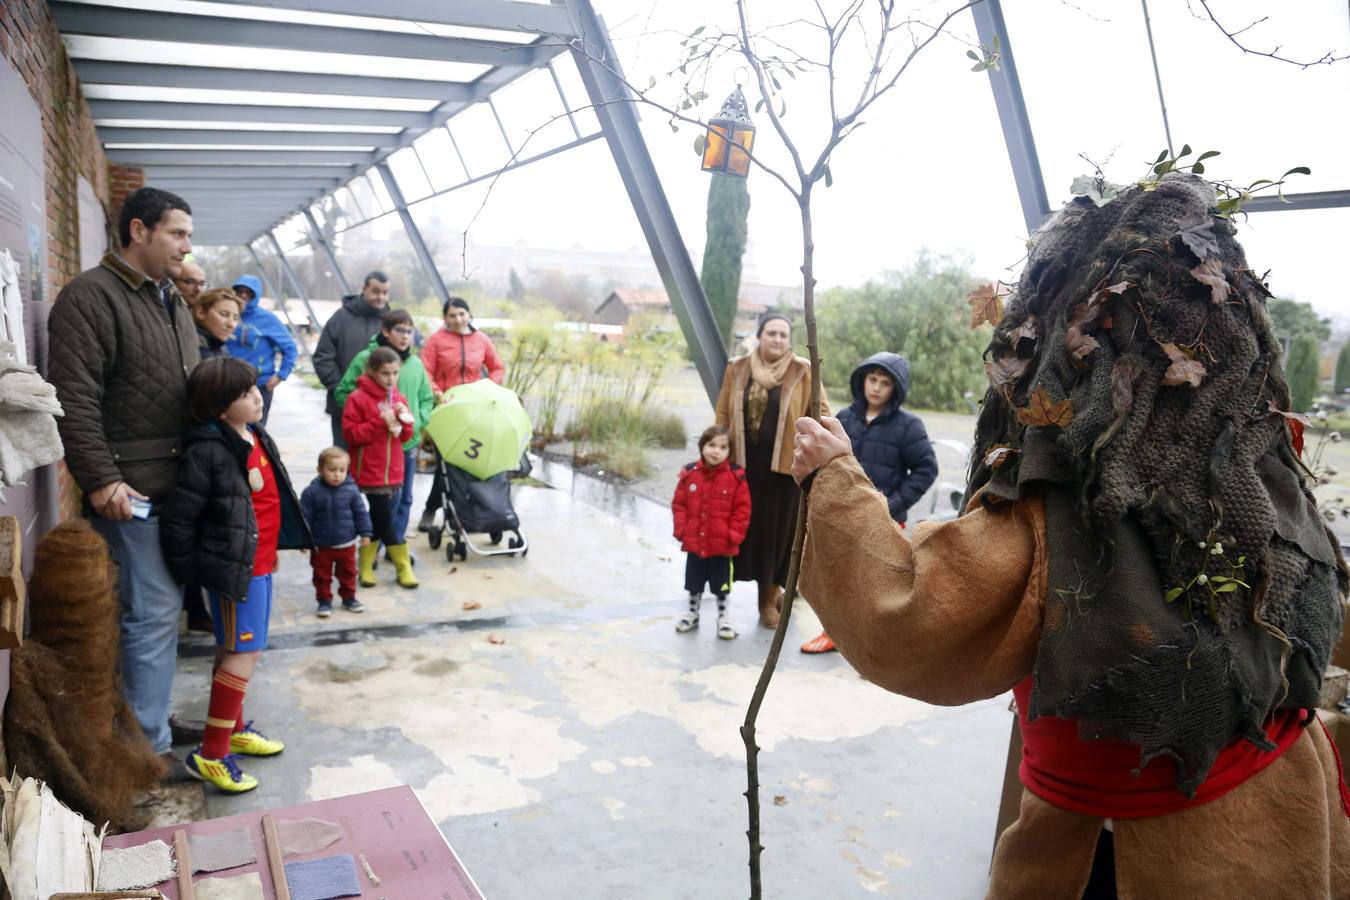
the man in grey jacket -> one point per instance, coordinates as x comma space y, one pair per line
346, 334
122, 343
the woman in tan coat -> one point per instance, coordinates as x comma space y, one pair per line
1140, 563
763, 393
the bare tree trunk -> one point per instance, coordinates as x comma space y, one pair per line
794, 567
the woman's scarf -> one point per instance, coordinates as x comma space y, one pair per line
764, 377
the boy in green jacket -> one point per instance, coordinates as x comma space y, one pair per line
396, 333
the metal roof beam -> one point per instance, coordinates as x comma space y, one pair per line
182, 169
503, 15
241, 157
1310, 200
132, 135
210, 78
141, 24
270, 115
235, 185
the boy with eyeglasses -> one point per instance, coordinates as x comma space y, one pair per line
397, 333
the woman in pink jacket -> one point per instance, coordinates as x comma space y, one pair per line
457, 354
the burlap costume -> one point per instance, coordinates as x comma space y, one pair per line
1145, 472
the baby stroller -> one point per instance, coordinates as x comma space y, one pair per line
480, 432
477, 506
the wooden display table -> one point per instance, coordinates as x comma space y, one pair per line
389, 827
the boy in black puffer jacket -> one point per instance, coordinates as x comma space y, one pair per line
230, 511
337, 517
891, 444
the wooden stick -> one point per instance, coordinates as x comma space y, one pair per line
279, 885
180, 852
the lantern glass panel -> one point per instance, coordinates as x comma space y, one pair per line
741, 145
715, 150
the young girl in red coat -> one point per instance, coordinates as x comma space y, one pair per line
376, 422
712, 511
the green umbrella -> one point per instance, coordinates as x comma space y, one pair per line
480, 428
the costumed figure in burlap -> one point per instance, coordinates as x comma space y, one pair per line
1141, 562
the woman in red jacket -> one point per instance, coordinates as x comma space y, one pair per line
457, 354
712, 511
376, 422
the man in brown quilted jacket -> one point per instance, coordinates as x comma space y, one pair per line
122, 344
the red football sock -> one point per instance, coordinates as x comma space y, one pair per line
239, 722
227, 702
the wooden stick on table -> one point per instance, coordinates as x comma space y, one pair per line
279, 886
180, 853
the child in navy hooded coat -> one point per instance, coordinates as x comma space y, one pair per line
890, 443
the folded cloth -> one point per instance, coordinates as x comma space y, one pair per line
323, 879
28, 435
309, 835
223, 850
236, 887
142, 866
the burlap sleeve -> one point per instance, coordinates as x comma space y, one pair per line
952, 617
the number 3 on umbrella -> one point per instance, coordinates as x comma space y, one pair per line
472, 452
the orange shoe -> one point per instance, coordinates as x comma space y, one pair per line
820, 644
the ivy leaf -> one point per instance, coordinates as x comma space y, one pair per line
1043, 411
1184, 369
1006, 371
1211, 272
1098, 190
1200, 240
997, 456
1079, 345
986, 305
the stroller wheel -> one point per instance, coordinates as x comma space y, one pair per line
450, 552
463, 550
494, 538
434, 538
515, 543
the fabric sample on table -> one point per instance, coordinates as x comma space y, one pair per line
323, 879
136, 867
298, 836
225, 850
235, 887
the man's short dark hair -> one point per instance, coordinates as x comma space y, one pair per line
375, 275
379, 358
215, 384
149, 205
393, 318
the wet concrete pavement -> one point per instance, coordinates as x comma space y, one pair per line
569, 742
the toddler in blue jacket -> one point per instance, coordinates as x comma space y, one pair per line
338, 520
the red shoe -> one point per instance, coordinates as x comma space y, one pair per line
820, 644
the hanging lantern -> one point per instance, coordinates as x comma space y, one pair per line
730, 138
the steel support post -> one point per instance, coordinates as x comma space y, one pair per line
414, 234
1012, 115
328, 251
299, 291
614, 107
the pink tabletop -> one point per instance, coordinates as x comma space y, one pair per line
391, 827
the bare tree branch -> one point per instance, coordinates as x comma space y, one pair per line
1327, 58
758, 70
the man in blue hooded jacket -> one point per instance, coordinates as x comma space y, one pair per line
260, 339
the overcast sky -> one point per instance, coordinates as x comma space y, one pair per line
930, 168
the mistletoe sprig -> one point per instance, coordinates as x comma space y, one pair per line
1206, 587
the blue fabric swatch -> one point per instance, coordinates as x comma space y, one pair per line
323, 879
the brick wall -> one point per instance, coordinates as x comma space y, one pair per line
122, 180
30, 43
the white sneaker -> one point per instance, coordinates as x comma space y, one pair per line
688, 622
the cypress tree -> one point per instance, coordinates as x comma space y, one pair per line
1343, 369
1302, 372
728, 210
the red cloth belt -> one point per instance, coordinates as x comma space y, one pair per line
1103, 778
